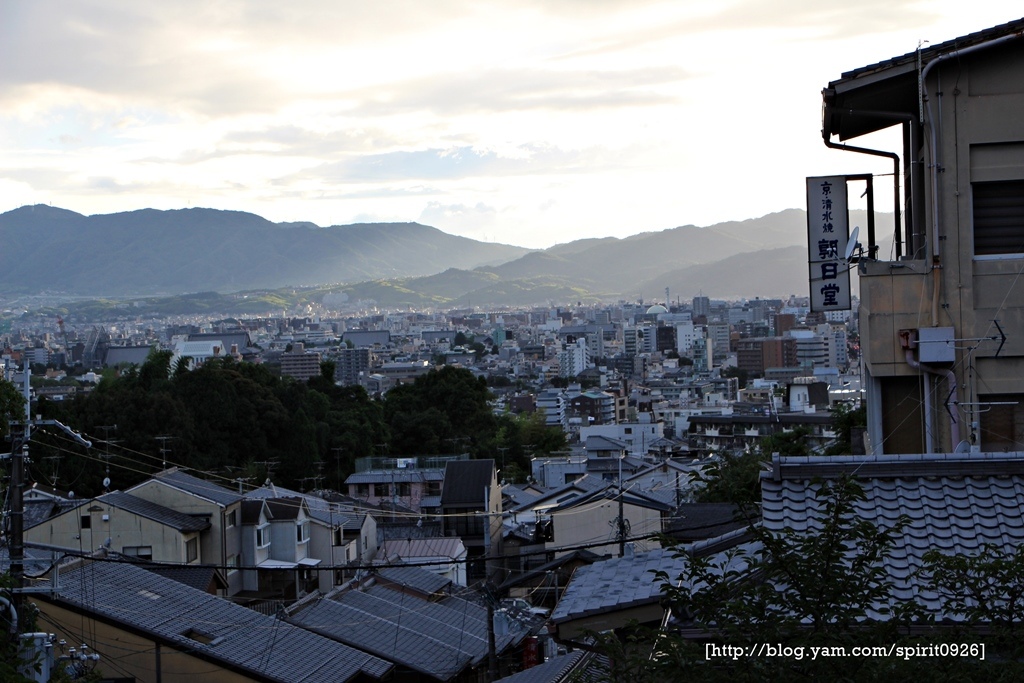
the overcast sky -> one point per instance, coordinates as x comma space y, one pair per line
528, 122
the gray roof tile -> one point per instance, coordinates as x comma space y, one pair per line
198, 487
245, 639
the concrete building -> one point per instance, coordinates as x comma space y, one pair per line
941, 319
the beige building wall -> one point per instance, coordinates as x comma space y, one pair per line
125, 531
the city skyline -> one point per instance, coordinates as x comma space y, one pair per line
522, 123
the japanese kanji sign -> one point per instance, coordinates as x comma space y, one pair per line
827, 235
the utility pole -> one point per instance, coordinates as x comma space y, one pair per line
622, 521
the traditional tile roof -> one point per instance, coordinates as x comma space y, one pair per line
420, 580
198, 487
616, 584
439, 639
399, 476
555, 670
158, 513
263, 647
412, 548
320, 509
954, 503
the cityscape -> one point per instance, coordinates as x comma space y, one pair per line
314, 483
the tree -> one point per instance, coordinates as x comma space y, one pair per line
826, 586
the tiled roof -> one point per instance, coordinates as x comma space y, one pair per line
954, 503
420, 580
412, 548
617, 583
555, 670
317, 508
198, 487
439, 639
158, 513
260, 645
284, 508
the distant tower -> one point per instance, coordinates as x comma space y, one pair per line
701, 306
668, 301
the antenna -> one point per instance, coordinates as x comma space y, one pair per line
852, 245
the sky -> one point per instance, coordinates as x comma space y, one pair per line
527, 122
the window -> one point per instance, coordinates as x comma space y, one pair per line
302, 532
998, 217
362, 490
192, 550
232, 564
231, 519
144, 552
338, 537
86, 521
262, 536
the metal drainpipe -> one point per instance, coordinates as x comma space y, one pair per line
878, 153
954, 424
906, 118
933, 154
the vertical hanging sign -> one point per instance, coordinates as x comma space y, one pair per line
827, 234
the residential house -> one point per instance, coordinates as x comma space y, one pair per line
123, 523
222, 543
405, 616
148, 627
471, 510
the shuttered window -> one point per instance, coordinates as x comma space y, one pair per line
998, 217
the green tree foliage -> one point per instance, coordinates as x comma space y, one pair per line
816, 588
442, 411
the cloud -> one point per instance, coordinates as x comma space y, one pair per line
460, 219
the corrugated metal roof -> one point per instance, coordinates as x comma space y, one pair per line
264, 646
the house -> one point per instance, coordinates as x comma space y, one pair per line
339, 536
408, 619
471, 510
289, 542
940, 315
444, 556
124, 523
602, 519
413, 482
149, 627
221, 544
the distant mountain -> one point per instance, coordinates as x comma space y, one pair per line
393, 264
189, 250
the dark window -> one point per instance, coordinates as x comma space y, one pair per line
192, 550
86, 521
998, 217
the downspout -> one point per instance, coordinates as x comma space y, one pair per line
906, 118
933, 155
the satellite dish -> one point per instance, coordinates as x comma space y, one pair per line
852, 245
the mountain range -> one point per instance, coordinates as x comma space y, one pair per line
150, 253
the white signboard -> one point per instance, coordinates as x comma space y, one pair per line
828, 229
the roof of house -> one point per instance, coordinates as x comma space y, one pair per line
183, 481
614, 584
317, 508
439, 639
420, 580
251, 510
398, 476
605, 443
411, 548
465, 481
954, 503
892, 85
158, 513
555, 670
285, 508
261, 646
697, 521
